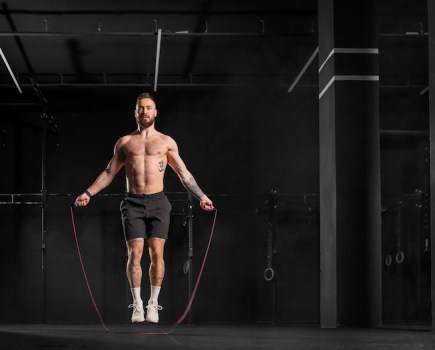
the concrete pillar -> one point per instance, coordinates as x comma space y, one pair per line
350, 194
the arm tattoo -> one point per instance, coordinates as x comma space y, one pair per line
107, 170
193, 187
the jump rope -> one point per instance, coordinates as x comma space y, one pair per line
91, 294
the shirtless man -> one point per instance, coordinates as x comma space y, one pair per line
145, 211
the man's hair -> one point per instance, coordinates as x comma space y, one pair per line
145, 95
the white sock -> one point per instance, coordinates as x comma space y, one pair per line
135, 292
155, 290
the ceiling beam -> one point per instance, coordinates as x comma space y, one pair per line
172, 34
247, 12
20, 45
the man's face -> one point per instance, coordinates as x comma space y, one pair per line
145, 113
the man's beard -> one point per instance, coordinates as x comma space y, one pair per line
143, 124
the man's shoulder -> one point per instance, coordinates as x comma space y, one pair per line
124, 139
164, 136
129, 136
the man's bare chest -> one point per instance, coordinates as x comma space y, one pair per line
144, 148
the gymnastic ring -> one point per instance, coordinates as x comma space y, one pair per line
269, 274
388, 260
400, 256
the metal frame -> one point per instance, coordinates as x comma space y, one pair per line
173, 80
166, 33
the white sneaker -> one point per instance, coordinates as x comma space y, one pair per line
153, 312
138, 312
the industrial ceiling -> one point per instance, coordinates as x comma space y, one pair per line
167, 44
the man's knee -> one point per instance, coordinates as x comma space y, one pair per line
156, 249
135, 260
135, 251
156, 255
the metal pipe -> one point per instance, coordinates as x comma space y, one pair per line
408, 35
205, 85
20, 203
162, 12
235, 84
75, 194
10, 71
426, 89
312, 57
405, 132
186, 34
18, 104
156, 72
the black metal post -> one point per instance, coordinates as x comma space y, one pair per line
272, 252
431, 44
190, 249
44, 217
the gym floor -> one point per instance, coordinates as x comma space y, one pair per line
145, 336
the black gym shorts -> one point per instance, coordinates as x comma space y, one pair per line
145, 216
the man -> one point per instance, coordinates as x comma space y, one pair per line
145, 211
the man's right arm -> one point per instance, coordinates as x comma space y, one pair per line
104, 179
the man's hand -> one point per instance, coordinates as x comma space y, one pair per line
82, 200
206, 203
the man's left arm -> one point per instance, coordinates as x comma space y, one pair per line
189, 182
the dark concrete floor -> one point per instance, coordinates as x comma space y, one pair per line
209, 337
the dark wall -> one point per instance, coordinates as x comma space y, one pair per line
405, 207
239, 144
